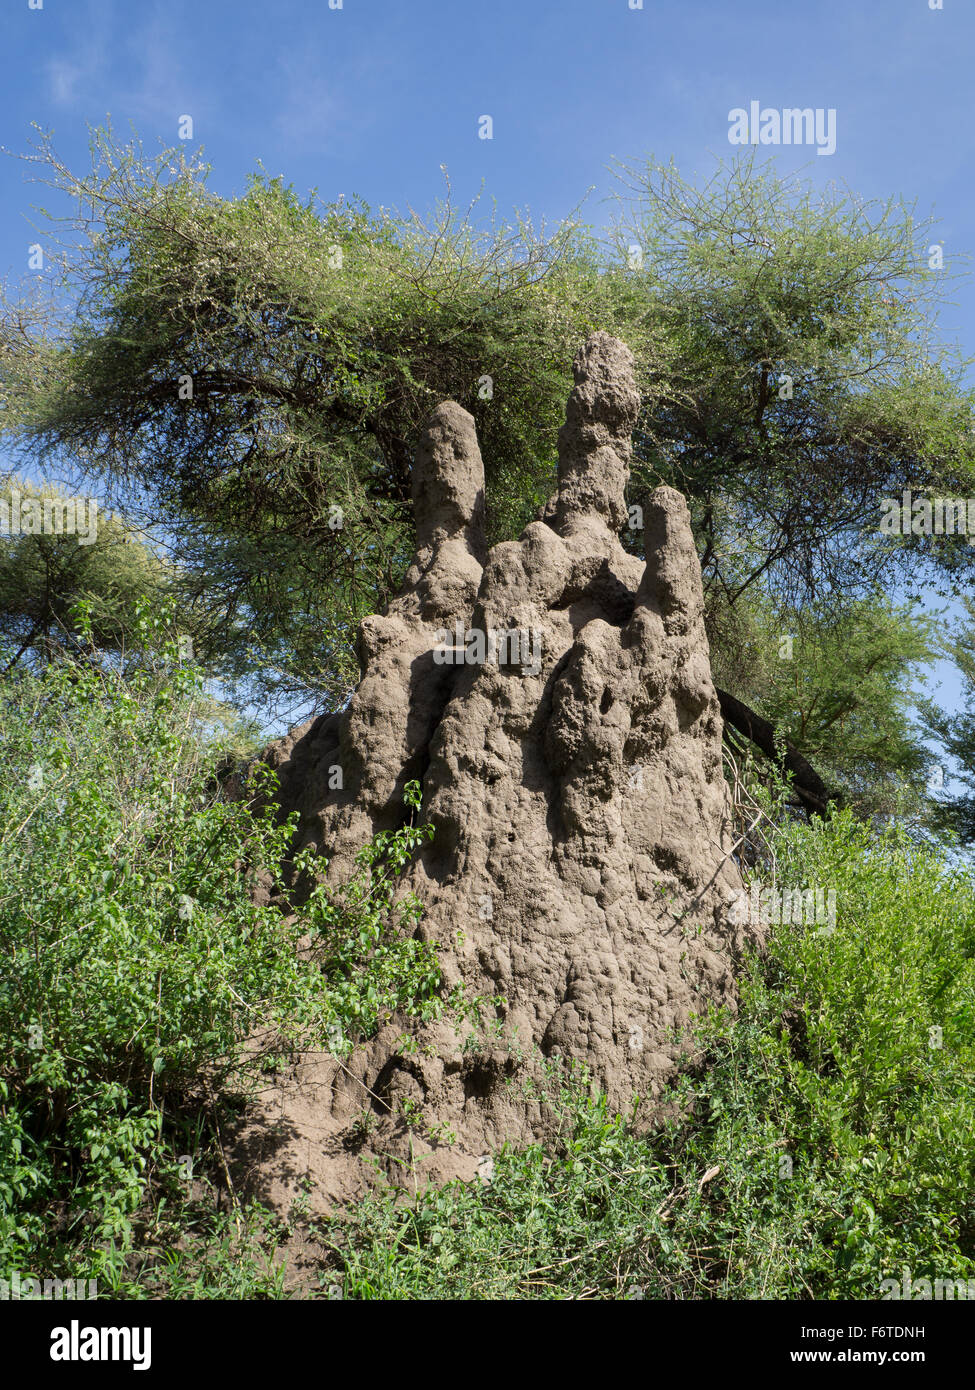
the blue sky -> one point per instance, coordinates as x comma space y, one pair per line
374, 97
371, 99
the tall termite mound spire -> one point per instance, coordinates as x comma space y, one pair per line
569, 751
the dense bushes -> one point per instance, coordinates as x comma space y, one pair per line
137, 966
826, 1142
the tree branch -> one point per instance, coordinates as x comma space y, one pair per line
806, 781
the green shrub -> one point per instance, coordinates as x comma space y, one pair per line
826, 1143
137, 965
823, 1143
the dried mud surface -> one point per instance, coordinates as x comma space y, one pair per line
580, 867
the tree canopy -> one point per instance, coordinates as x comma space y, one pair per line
247, 376
44, 576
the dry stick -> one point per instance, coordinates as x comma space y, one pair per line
361, 1083
739, 804
152, 1074
211, 1099
543, 1269
40, 803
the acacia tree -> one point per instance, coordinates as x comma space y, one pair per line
43, 577
252, 373
954, 730
836, 690
255, 371
809, 380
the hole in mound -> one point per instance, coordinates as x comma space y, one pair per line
483, 1078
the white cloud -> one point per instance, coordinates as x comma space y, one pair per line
63, 79
71, 79
310, 112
